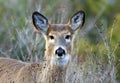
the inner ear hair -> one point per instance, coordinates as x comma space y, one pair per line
40, 22
83, 18
77, 20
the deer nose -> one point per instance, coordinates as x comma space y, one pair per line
60, 52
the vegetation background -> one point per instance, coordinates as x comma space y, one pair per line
97, 45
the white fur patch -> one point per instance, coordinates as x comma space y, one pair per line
67, 40
61, 60
52, 41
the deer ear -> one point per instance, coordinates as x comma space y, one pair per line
40, 22
77, 20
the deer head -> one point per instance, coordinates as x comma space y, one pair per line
58, 37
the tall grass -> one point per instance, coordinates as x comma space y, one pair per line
94, 61
100, 63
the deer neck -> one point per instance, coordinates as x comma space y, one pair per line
53, 73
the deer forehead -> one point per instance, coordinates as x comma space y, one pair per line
59, 29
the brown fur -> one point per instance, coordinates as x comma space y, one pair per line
57, 30
14, 71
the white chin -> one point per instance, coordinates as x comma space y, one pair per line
60, 61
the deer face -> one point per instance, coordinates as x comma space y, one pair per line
58, 37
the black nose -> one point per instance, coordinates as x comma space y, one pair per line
60, 52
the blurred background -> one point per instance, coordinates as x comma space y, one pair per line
97, 44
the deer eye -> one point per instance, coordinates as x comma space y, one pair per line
67, 37
51, 37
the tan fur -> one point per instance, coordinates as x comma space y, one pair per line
53, 69
14, 71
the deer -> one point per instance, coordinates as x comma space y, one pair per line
58, 52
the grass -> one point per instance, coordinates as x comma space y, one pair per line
100, 63
97, 52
